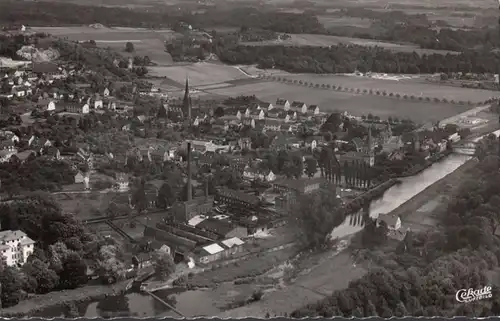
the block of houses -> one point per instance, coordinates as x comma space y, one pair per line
245, 143
7, 145
292, 115
298, 107
266, 106
282, 104
273, 125
257, 114
247, 121
122, 181
18, 91
393, 222
252, 173
15, 247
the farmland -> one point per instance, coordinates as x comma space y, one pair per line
415, 86
146, 42
326, 41
199, 73
353, 103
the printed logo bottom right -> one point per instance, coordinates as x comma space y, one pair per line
471, 295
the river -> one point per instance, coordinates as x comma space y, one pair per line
139, 305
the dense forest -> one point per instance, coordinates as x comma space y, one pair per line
422, 275
348, 58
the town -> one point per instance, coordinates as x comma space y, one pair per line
111, 184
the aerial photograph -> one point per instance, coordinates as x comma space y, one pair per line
249, 158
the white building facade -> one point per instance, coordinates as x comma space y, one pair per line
15, 247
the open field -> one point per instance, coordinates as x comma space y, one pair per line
147, 42
355, 104
326, 41
334, 21
415, 86
199, 74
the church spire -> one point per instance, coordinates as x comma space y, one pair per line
186, 103
369, 141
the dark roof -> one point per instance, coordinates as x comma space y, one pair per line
297, 104
299, 184
238, 195
312, 107
281, 101
45, 67
219, 227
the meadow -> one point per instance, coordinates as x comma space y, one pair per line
356, 104
146, 42
326, 41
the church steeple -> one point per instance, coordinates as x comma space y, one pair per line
186, 103
369, 142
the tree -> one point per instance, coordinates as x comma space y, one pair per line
129, 47
139, 198
311, 166
164, 265
316, 215
11, 286
46, 279
74, 271
166, 196
219, 112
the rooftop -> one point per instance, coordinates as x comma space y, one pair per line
241, 196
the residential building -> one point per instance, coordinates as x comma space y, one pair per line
266, 106
393, 222
299, 107
122, 181
272, 125
282, 104
313, 110
254, 173
257, 114
15, 247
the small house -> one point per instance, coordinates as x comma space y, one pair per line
299, 107
282, 104
393, 222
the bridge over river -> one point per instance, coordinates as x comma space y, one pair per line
468, 146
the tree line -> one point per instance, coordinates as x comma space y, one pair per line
349, 58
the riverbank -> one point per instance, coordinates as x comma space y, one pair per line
420, 211
59, 299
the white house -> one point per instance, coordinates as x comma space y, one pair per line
98, 104
122, 181
393, 222
15, 247
51, 106
299, 107
313, 110
282, 104
85, 109
252, 173
106, 92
